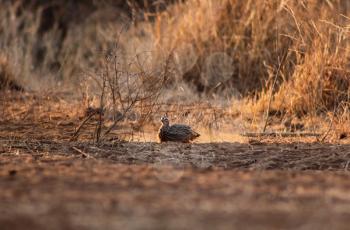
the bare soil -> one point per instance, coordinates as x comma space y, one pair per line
50, 182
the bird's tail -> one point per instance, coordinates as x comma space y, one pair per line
195, 134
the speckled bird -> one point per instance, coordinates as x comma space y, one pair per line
176, 132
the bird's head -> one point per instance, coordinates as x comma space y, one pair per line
165, 120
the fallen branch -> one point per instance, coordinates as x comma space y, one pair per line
277, 134
81, 152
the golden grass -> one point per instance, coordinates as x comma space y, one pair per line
313, 35
225, 50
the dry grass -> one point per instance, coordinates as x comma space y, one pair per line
226, 52
314, 76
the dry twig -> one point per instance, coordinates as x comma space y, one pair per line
81, 152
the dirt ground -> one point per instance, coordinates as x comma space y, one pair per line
50, 182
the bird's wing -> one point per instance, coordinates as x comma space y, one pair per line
178, 132
179, 126
185, 129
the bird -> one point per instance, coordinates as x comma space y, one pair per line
177, 132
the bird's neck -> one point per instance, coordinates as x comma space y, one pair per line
165, 125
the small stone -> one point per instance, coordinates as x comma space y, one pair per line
12, 172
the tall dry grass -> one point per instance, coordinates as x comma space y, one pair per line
223, 49
307, 39
56, 56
